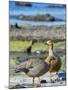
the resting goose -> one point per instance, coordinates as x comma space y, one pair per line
53, 59
34, 68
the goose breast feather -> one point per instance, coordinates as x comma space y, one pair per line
35, 67
55, 63
40, 69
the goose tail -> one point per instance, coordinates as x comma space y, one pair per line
21, 70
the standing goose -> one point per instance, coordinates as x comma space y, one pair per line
34, 68
53, 59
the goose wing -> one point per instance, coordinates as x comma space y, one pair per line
27, 64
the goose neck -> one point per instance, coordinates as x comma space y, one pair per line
50, 51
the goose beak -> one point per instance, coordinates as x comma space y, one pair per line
48, 42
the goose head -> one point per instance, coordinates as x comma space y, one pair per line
50, 44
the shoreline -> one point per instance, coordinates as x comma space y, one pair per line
28, 32
38, 17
